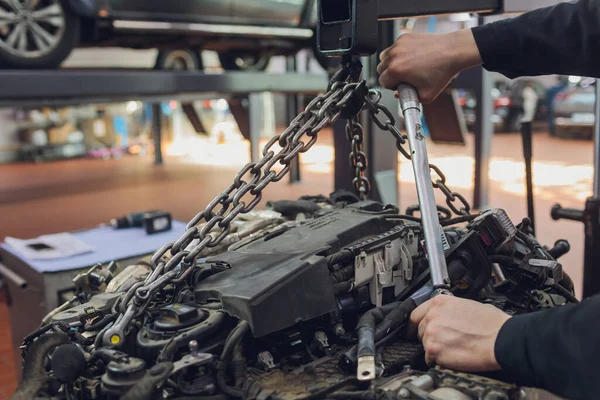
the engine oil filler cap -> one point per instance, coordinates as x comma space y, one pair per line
122, 374
177, 316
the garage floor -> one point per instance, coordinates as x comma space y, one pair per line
71, 195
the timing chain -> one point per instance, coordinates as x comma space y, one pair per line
245, 193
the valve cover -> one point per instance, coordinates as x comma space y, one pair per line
283, 278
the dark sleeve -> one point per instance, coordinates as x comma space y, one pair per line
556, 349
563, 39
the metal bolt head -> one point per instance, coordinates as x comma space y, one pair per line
339, 330
404, 393
193, 346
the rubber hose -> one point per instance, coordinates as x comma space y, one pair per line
343, 274
458, 220
565, 293
366, 330
234, 338
381, 321
342, 287
37, 333
238, 365
100, 335
205, 328
395, 318
341, 256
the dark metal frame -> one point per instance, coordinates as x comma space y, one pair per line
76, 87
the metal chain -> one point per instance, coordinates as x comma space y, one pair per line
358, 158
241, 196
209, 227
439, 182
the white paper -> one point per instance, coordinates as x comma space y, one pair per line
49, 247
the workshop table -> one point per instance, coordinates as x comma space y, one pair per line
36, 287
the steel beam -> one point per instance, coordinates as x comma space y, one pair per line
73, 87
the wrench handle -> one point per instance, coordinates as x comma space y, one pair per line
411, 109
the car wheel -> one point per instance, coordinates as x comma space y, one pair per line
36, 33
185, 60
244, 61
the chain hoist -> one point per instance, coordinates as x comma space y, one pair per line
346, 97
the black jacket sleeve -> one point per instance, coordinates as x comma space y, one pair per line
563, 39
556, 349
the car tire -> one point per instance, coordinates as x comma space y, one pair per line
244, 61
59, 37
184, 60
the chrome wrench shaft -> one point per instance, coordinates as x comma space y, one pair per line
410, 105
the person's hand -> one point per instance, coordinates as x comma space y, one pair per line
427, 61
457, 333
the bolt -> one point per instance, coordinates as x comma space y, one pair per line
404, 393
193, 346
339, 330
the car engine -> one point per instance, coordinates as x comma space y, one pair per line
307, 299
277, 309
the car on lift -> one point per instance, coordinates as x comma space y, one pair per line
508, 104
574, 112
244, 33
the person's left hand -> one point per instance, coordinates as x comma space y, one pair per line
457, 333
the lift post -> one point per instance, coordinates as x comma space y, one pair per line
590, 216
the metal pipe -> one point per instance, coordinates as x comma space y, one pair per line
596, 190
12, 276
410, 104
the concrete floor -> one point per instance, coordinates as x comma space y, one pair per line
70, 195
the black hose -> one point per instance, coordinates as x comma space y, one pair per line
37, 333
532, 244
234, 338
376, 324
343, 274
565, 293
458, 220
342, 287
102, 323
205, 328
342, 256
99, 336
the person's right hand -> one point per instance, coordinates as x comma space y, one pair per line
458, 333
427, 61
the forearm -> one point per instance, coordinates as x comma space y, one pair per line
563, 39
555, 349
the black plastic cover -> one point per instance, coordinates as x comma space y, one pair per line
282, 279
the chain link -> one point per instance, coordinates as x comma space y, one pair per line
210, 226
375, 110
358, 158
